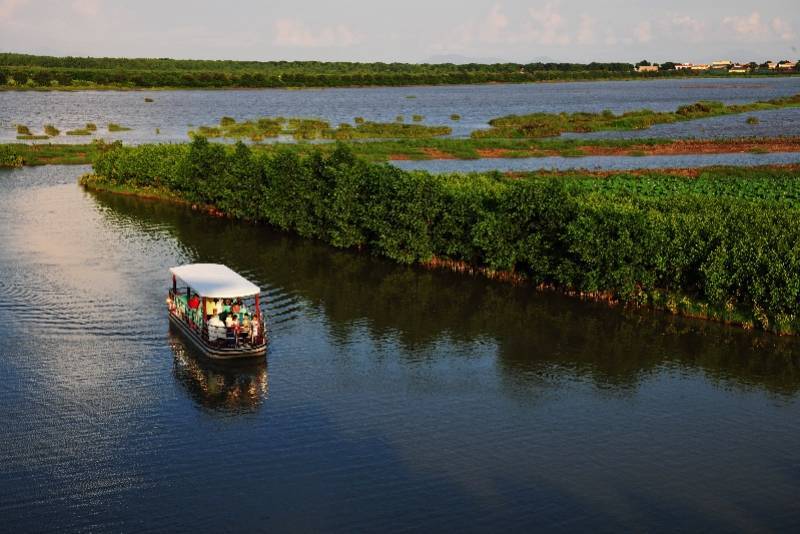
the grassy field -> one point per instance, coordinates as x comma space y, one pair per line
427, 149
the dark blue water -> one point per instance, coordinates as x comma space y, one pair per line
174, 111
392, 398
601, 162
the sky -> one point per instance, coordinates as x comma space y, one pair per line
407, 30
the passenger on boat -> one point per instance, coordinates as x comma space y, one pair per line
229, 319
210, 308
216, 328
194, 302
236, 307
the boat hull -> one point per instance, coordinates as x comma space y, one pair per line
214, 353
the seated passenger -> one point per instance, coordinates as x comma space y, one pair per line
216, 328
194, 302
210, 307
235, 307
226, 307
229, 320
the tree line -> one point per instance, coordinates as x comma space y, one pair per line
723, 245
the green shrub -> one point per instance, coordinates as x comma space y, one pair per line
51, 130
752, 120
9, 157
92, 127
417, 118
726, 238
23, 130
227, 121
455, 117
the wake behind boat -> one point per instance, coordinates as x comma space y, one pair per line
217, 311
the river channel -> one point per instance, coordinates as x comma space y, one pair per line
392, 398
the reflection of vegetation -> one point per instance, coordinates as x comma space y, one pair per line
714, 246
222, 387
551, 124
538, 334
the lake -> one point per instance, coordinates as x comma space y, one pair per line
392, 398
174, 111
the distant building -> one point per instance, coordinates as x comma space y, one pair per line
720, 65
787, 65
739, 69
700, 67
771, 65
683, 66
647, 68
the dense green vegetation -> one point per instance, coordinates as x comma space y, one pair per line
724, 245
554, 124
307, 129
10, 157
426, 149
22, 71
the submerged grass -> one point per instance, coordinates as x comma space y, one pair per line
310, 129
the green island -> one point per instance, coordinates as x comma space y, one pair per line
42, 73
554, 124
308, 129
719, 244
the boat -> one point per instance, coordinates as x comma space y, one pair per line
218, 311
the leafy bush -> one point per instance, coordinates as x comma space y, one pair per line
51, 130
23, 130
726, 239
9, 157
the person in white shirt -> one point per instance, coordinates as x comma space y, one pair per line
216, 328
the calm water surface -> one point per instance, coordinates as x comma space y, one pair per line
681, 161
392, 398
174, 111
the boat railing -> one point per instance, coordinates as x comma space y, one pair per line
179, 308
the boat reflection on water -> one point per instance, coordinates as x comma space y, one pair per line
224, 387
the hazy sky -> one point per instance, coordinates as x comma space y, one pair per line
406, 30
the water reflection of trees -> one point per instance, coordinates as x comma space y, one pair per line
536, 332
229, 387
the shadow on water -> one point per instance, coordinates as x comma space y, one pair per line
539, 336
233, 387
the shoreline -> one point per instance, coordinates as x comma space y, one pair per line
33, 154
673, 303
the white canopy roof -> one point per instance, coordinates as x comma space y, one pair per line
215, 281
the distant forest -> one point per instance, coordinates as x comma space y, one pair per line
30, 71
